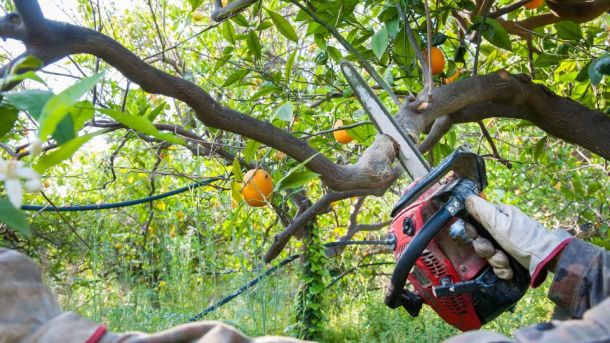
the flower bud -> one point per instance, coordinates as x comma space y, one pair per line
35, 147
33, 185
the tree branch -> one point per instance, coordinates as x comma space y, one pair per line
559, 116
281, 239
232, 9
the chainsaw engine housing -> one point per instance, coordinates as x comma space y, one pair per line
449, 276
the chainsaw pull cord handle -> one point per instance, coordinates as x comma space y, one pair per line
394, 293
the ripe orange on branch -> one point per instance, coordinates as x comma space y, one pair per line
341, 135
257, 187
438, 60
534, 4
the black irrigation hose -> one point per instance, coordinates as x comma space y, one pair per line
270, 271
78, 208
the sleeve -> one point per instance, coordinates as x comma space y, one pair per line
582, 278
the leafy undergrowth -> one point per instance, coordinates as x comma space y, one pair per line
355, 310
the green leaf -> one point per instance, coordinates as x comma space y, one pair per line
236, 76
59, 105
14, 218
334, 53
594, 76
284, 112
380, 41
250, 150
403, 51
283, 26
30, 75
254, 44
281, 183
236, 191
33, 101
29, 100
593, 187
289, 65
494, 32
64, 152
8, 117
392, 27
568, 30
296, 179
228, 32
25, 63
239, 176
598, 68
583, 73
539, 147
195, 4
603, 65
545, 60
240, 20
438, 39
64, 130
143, 125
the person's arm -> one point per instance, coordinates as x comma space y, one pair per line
582, 270
581, 278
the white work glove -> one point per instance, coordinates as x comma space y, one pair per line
521, 237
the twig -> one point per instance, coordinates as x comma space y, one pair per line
502, 11
429, 50
346, 127
420, 56
530, 56
493, 145
72, 228
9, 150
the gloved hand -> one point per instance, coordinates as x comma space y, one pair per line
29, 313
522, 237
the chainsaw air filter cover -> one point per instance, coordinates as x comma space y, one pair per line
449, 276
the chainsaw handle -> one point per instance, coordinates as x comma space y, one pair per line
417, 245
464, 163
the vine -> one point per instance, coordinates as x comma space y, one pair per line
309, 304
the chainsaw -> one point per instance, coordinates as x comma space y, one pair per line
428, 232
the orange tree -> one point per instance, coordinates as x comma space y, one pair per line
222, 93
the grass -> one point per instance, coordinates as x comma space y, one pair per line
355, 309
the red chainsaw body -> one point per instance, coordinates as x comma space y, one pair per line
444, 257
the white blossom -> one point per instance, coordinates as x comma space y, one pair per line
13, 172
35, 147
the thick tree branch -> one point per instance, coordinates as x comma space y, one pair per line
559, 116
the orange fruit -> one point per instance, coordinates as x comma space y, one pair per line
534, 4
438, 60
341, 135
256, 187
453, 77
